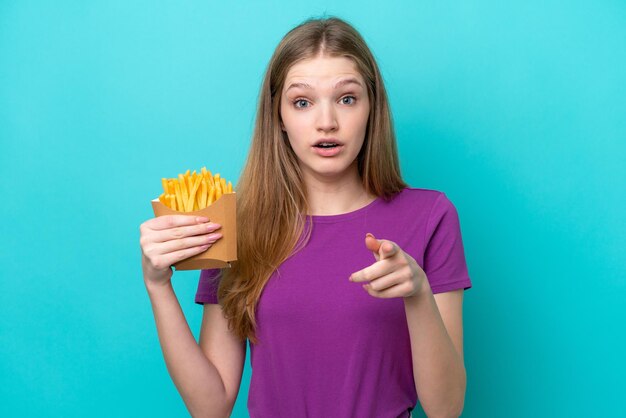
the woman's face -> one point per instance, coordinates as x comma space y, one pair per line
324, 109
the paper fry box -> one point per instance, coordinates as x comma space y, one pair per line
219, 255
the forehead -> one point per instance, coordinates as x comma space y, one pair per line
321, 71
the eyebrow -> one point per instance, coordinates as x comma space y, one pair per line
340, 83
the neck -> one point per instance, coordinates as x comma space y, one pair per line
335, 196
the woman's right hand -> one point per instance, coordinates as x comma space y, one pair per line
166, 240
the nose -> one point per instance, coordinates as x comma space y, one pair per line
327, 118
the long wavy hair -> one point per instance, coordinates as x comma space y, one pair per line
271, 195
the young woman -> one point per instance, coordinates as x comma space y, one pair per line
349, 284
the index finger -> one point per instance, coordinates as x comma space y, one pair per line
374, 271
173, 221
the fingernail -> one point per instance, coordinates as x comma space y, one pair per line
212, 227
369, 235
214, 236
201, 219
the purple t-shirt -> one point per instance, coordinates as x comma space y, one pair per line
326, 347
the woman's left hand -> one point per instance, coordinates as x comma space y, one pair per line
394, 274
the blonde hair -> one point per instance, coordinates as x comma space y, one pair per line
271, 197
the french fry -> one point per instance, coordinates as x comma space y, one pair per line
211, 197
218, 190
183, 189
207, 173
191, 178
172, 201
179, 197
192, 191
192, 195
203, 195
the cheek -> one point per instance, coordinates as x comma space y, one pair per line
359, 124
295, 129
360, 128
294, 136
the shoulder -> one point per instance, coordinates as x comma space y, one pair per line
410, 208
421, 193
417, 198
428, 207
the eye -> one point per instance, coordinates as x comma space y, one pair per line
343, 100
300, 103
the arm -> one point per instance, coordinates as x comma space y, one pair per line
436, 331
196, 378
435, 323
207, 375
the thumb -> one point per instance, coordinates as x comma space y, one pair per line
372, 243
380, 248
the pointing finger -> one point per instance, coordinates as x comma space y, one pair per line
376, 270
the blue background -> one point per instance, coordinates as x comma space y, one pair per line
516, 110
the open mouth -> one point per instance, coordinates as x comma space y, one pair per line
326, 145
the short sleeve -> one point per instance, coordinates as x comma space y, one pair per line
444, 256
207, 286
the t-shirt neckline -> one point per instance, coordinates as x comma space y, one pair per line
343, 216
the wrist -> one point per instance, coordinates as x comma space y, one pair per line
422, 291
157, 286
